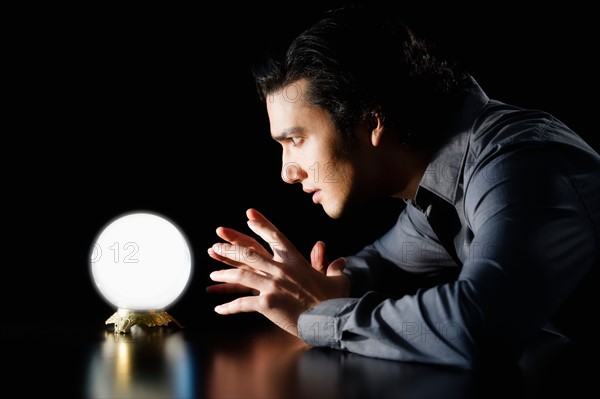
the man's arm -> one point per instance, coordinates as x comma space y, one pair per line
532, 214
407, 257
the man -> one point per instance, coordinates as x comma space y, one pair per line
502, 215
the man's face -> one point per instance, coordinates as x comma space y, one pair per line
312, 151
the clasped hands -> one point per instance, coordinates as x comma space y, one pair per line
280, 284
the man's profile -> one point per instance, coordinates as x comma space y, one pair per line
502, 215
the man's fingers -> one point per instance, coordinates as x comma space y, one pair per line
241, 277
281, 247
233, 260
336, 268
318, 260
217, 256
253, 214
241, 257
239, 305
235, 237
238, 265
266, 230
269, 234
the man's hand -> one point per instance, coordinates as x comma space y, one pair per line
284, 283
319, 262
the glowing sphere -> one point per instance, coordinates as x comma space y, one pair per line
141, 261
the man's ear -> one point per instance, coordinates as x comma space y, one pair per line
376, 128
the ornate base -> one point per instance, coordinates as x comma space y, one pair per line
124, 319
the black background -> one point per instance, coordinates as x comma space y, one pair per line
117, 109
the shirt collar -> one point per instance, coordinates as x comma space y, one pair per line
442, 175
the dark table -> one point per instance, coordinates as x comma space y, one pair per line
243, 360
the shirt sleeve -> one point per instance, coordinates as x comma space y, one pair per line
406, 257
531, 212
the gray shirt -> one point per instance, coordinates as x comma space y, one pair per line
526, 192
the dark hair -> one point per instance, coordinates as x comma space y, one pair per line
359, 60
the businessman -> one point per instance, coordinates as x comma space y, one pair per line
500, 231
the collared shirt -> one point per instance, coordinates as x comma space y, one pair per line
526, 192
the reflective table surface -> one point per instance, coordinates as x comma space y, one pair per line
247, 361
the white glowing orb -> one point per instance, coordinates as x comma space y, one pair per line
141, 261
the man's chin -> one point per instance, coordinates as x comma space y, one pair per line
336, 212
347, 208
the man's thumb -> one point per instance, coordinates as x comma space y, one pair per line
336, 268
318, 260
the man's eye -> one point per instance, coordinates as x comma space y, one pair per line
295, 140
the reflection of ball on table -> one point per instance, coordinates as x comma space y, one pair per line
141, 264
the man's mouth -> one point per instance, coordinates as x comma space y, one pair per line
316, 194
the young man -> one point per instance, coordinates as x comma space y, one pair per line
502, 215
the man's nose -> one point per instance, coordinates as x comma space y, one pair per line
291, 173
